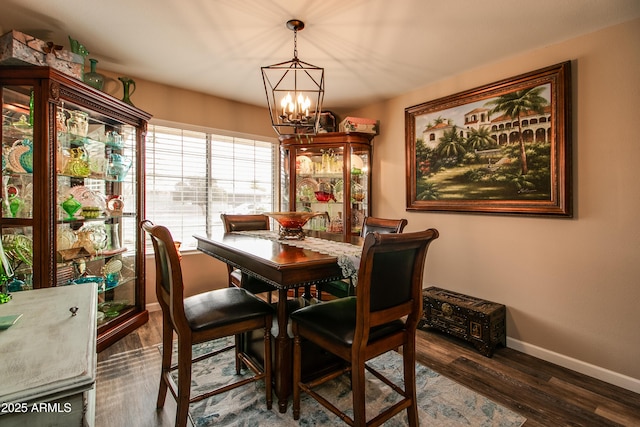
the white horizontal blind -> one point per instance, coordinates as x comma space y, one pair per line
193, 176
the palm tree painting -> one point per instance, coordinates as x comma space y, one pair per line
501, 148
515, 105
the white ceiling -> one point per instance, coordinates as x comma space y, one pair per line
370, 49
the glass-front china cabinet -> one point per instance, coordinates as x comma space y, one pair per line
72, 193
329, 173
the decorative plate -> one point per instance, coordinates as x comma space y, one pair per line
306, 188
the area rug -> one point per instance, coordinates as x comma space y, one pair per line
441, 401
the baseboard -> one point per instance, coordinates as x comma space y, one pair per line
154, 306
620, 380
585, 368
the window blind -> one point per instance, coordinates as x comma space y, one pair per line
194, 176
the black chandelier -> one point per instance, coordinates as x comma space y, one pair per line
295, 91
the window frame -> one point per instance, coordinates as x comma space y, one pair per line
212, 136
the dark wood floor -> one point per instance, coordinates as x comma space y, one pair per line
544, 393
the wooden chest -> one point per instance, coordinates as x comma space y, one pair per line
477, 321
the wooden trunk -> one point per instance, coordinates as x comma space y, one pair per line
480, 322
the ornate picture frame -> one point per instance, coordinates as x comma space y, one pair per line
503, 148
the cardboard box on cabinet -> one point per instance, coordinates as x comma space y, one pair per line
17, 48
359, 124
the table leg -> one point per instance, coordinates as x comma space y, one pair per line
283, 364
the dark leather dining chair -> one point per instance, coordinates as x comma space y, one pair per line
344, 288
236, 277
201, 318
382, 317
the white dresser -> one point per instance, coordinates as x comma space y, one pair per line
48, 358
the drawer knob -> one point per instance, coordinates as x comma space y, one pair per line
447, 309
73, 310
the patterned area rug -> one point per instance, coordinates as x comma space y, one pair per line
441, 401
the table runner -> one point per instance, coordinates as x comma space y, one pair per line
348, 255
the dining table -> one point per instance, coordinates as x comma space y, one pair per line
285, 265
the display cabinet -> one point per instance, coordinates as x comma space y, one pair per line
329, 173
73, 193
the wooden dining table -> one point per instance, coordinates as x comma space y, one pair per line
283, 266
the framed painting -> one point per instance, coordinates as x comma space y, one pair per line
503, 148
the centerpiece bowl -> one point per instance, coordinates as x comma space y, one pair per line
291, 223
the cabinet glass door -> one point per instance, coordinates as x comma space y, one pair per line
330, 175
16, 256
96, 219
319, 186
359, 187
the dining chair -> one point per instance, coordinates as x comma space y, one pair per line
344, 288
201, 318
236, 277
381, 318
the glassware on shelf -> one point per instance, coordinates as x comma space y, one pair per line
61, 121
71, 206
15, 204
115, 204
23, 126
96, 234
325, 192
78, 123
113, 236
85, 241
6, 272
66, 239
336, 225
26, 158
19, 249
118, 167
88, 198
91, 212
114, 139
111, 273
96, 160
78, 164
20, 156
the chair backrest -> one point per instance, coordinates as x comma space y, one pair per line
245, 222
169, 285
382, 225
390, 280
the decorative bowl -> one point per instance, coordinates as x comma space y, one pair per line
291, 223
91, 212
323, 196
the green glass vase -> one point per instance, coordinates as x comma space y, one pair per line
93, 78
128, 86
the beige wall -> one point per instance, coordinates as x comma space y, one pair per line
571, 286
200, 272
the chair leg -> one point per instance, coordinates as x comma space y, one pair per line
167, 349
267, 362
408, 357
184, 381
358, 391
297, 367
237, 350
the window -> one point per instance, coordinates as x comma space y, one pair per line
192, 176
